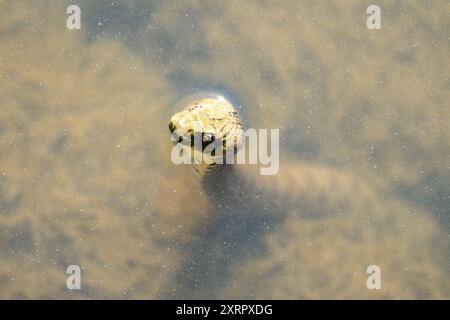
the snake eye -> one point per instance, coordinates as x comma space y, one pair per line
208, 137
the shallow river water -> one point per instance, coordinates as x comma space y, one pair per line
85, 171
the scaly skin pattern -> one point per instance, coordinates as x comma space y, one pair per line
213, 121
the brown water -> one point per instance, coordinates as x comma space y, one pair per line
86, 176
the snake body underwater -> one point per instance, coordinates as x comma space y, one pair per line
214, 120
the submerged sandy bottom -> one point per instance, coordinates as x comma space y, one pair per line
85, 171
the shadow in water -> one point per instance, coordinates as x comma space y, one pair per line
243, 216
433, 194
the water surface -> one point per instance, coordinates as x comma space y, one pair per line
85, 171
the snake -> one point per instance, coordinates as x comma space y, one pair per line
215, 120
247, 204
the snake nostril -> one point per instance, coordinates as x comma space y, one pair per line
172, 127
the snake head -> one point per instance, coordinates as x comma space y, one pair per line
210, 121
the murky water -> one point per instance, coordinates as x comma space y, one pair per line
85, 171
